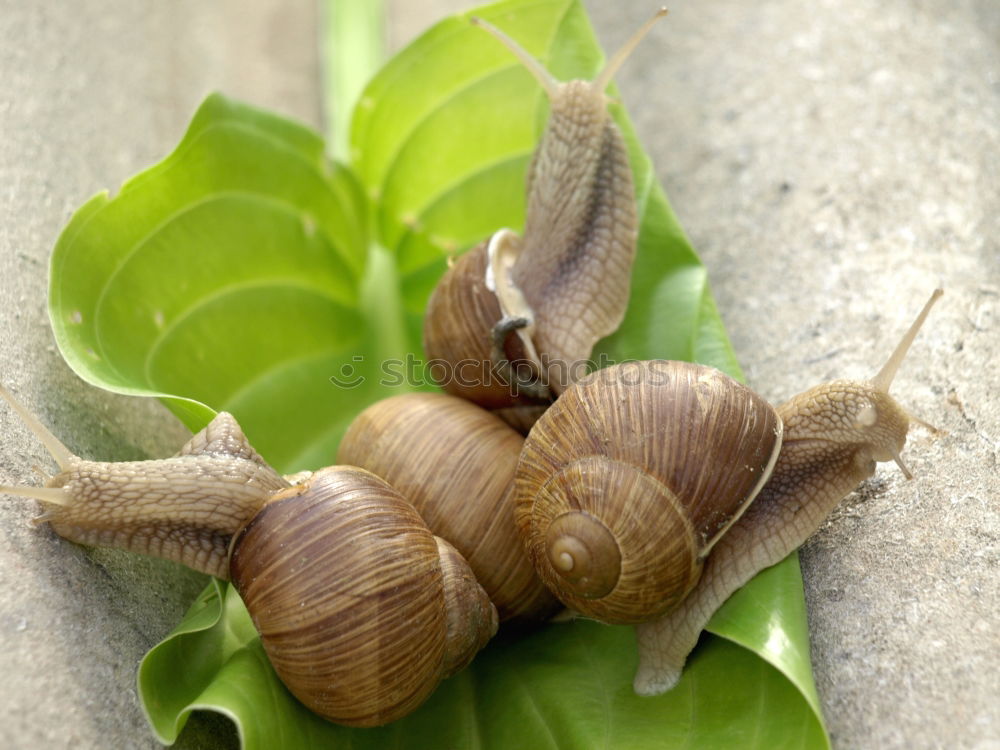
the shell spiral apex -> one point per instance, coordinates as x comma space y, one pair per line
584, 553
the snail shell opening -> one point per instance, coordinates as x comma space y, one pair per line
471, 619
458, 321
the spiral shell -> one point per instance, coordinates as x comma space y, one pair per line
361, 610
455, 463
627, 481
457, 335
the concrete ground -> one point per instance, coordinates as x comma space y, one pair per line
832, 161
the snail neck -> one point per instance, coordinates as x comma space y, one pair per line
185, 508
807, 483
826, 453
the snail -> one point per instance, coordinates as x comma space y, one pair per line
516, 318
651, 491
360, 609
455, 462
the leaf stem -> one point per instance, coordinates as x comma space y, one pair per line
352, 48
382, 305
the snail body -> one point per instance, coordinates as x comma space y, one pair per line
360, 609
639, 448
526, 311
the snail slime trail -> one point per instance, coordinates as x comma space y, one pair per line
651, 491
530, 309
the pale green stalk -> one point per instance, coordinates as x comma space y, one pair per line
352, 47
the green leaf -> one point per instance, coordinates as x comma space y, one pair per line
225, 670
566, 688
355, 34
226, 274
233, 276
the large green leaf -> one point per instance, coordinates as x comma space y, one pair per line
232, 276
560, 687
226, 275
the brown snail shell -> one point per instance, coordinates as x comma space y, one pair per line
455, 463
627, 481
366, 611
460, 314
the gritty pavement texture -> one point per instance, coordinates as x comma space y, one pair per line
90, 93
831, 161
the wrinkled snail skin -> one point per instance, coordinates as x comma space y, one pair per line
826, 441
811, 476
361, 610
551, 294
455, 463
159, 507
576, 272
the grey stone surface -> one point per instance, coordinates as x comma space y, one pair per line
90, 93
832, 162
